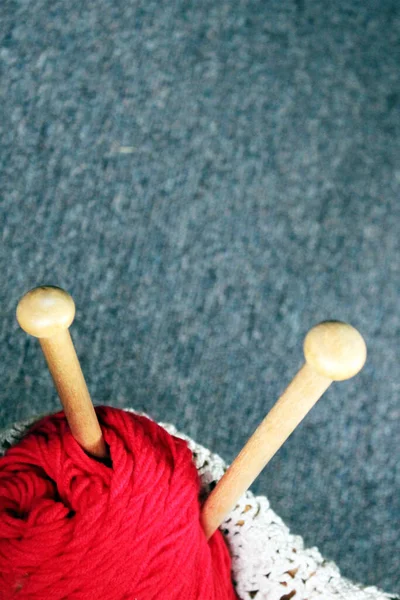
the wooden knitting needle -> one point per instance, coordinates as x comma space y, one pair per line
47, 313
334, 351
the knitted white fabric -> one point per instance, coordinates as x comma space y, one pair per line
269, 563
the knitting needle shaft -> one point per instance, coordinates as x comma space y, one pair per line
333, 351
46, 313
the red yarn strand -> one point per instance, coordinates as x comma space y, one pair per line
72, 527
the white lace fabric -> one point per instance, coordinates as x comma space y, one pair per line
268, 562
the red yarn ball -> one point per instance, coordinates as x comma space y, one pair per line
72, 527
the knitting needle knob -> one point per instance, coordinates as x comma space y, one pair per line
47, 313
334, 351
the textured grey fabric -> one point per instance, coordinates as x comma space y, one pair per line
209, 180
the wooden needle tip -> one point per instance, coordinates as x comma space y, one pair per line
45, 311
335, 350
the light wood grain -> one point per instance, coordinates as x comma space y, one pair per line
46, 313
333, 351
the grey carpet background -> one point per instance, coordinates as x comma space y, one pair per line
209, 180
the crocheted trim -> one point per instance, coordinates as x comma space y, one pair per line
268, 562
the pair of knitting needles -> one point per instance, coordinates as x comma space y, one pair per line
334, 351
